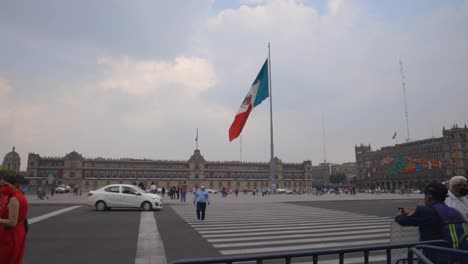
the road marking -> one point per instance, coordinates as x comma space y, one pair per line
322, 231
309, 227
297, 223
150, 249
276, 236
49, 215
304, 247
304, 241
218, 223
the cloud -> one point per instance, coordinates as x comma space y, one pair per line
142, 78
5, 91
110, 97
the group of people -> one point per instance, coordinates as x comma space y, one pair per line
175, 192
444, 215
13, 222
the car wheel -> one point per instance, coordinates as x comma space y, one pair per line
146, 206
101, 206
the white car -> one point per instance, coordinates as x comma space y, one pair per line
280, 191
62, 189
212, 191
123, 196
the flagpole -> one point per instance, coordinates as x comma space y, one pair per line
272, 156
240, 147
196, 141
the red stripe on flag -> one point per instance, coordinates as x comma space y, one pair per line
238, 124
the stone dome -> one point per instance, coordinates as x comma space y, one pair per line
12, 160
12, 155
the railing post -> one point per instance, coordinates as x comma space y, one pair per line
410, 256
341, 258
389, 256
259, 261
315, 259
288, 260
366, 257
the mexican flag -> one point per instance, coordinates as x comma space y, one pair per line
257, 93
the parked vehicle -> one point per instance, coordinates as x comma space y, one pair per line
62, 189
212, 191
280, 191
123, 196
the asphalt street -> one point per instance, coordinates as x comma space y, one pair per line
84, 235
387, 208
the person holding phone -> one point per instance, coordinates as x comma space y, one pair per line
424, 217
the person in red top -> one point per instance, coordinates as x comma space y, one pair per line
12, 222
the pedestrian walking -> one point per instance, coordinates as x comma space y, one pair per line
163, 191
183, 192
201, 199
13, 223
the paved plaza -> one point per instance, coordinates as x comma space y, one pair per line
64, 229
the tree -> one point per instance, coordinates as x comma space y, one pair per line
337, 178
20, 179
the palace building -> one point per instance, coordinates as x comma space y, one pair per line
416, 163
93, 173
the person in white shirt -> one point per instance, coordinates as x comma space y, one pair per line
456, 197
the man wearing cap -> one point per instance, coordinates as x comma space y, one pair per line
456, 197
201, 198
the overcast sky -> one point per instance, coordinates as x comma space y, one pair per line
136, 78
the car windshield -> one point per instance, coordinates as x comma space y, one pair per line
138, 189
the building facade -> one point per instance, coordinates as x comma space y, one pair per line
74, 169
348, 169
416, 163
12, 161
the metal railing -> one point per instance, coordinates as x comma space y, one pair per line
287, 257
449, 252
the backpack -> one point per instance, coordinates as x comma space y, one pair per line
454, 225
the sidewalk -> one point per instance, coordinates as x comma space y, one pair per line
68, 199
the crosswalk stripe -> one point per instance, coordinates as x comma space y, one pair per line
236, 230
312, 226
295, 241
323, 231
273, 224
275, 236
215, 222
304, 247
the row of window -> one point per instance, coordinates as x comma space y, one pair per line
127, 174
249, 177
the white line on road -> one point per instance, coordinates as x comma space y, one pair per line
306, 227
307, 231
302, 235
49, 215
303, 241
301, 247
150, 249
216, 222
208, 226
